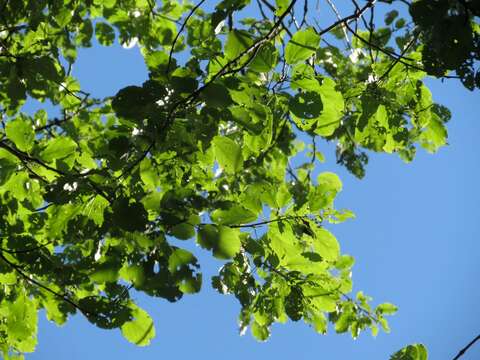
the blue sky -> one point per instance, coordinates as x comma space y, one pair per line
415, 240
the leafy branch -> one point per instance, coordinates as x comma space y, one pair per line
31, 280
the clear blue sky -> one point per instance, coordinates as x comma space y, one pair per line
416, 241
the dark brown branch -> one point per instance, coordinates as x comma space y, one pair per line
396, 61
305, 13
464, 350
58, 122
272, 9
314, 157
180, 31
357, 14
282, 218
402, 59
25, 251
226, 68
25, 157
40, 285
361, 308
223, 71
262, 12
137, 161
408, 62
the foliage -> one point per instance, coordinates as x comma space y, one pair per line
411, 352
451, 38
93, 199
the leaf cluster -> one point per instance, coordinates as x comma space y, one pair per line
95, 203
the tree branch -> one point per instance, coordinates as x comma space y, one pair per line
40, 285
180, 31
25, 251
464, 350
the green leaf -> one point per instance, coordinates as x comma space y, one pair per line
140, 331
306, 105
411, 352
322, 196
60, 216
8, 278
216, 95
228, 244
20, 131
149, 175
21, 323
104, 33
434, 136
234, 215
43, 65
53, 311
283, 196
301, 46
58, 149
326, 244
386, 308
384, 324
329, 183
105, 272
228, 154
282, 6
319, 322
183, 231
94, 209
237, 42
390, 16
15, 91
134, 102
329, 119
180, 258
344, 262
128, 216
64, 16
260, 332
320, 301
224, 241
265, 59
344, 321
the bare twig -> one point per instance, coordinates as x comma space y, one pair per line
339, 17
180, 31
464, 350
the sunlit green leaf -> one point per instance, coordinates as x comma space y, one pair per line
58, 148
20, 131
228, 154
301, 46
237, 42
411, 352
140, 331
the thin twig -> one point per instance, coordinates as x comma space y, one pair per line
464, 350
396, 61
179, 32
40, 285
25, 251
339, 17
22, 156
226, 69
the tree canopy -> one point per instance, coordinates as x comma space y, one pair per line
94, 195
